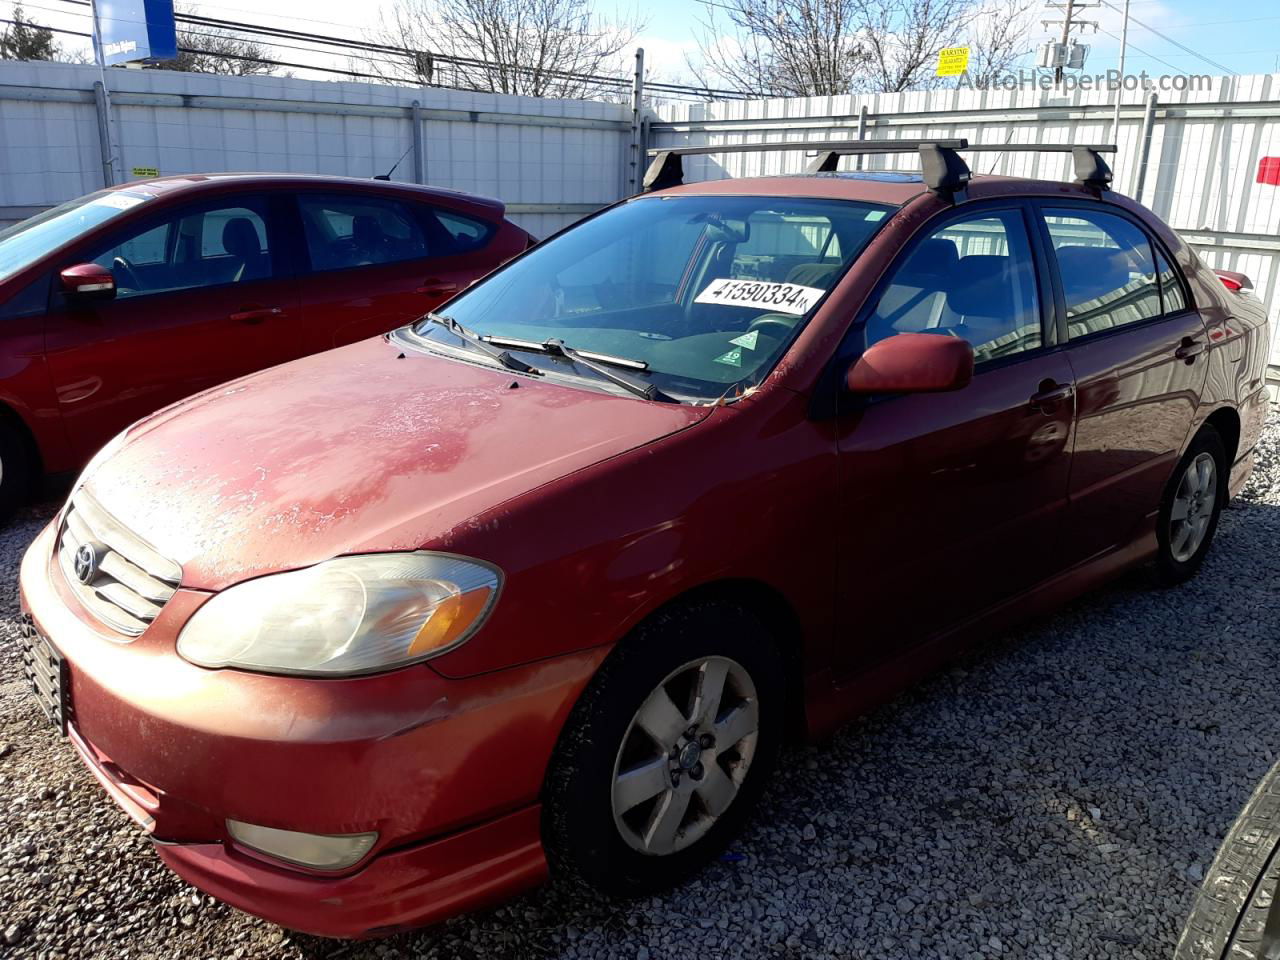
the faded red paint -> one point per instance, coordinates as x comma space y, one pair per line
886, 535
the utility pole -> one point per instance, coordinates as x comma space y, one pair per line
1124, 45
1065, 55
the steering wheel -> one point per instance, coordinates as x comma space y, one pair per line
767, 322
122, 269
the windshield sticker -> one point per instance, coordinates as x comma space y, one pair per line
874, 215
119, 201
789, 298
732, 359
747, 340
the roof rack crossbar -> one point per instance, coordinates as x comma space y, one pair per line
945, 173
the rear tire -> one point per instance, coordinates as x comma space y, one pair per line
1191, 507
627, 811
1230, 910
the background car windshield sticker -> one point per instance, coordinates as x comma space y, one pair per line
733, 358
747, 340
789, 298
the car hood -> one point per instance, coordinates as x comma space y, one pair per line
363, 448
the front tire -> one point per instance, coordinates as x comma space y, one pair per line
1192, 505
667, 751
16, 480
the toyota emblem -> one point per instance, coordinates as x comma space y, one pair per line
86, 562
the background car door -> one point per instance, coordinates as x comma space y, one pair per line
201, 299
1133, 346
377, 263
952, 502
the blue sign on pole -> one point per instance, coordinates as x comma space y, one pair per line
131, 30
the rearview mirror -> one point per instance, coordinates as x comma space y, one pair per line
88, 281
912, 363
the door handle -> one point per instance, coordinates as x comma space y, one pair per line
256, 314
1051, 394
437, 287
1189, 349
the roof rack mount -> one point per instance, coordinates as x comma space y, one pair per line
945, 173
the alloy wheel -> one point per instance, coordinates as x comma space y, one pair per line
1194, 503
685, 755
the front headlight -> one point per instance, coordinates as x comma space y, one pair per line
343, 617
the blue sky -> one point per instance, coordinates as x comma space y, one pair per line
1243, 35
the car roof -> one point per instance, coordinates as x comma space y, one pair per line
195, 182
890, 187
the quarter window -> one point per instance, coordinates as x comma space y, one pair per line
343, 232
1108, 276
1175, 300
193, 248
464, 233
972, 278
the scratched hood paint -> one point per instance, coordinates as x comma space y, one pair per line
354, 450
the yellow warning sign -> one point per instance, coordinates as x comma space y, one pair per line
953, 61
155, 171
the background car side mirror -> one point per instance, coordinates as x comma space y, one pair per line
912, 363
88, 281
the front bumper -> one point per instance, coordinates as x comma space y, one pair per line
446, 771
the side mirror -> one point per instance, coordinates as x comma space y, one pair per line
912, 363
88, 281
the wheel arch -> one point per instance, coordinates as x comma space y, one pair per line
9, 417
1227, 422
775, 611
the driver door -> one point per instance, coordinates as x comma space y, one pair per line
953, 502
204, 295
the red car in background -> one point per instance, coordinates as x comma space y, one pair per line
122, 301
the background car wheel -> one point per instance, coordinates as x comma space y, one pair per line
1192, 504
667, 751
1230, 915
15, 471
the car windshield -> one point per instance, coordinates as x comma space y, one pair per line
26, 242
702, 294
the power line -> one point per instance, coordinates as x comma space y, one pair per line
1180, 46
1134, 46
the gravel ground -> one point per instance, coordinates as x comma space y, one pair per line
1056, 794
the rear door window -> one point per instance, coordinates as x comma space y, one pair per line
1108, 274
349, 231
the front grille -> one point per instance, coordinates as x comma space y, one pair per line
130, 581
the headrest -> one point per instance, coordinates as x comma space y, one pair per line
240, 238
365, 229
981, 286
935, 257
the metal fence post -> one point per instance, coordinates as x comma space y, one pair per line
104, 133
419, 157
1148, 126
636, 158
862, 133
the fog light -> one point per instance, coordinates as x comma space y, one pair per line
318, 851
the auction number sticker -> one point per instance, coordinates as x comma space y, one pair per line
777, 297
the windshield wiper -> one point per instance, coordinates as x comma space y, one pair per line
469, 338
595, 362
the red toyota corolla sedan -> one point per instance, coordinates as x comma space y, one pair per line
123, 301
544, 579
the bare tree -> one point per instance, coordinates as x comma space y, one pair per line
998, 38
25, 39
537, 48
204, 49
903, 38
782, 48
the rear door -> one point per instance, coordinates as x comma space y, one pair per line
1136, 346
202, 297
374, 263
951, 503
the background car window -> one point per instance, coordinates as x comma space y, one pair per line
1108, 278
193, 248
974, 279
466, 233
345, 232
1175, 300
